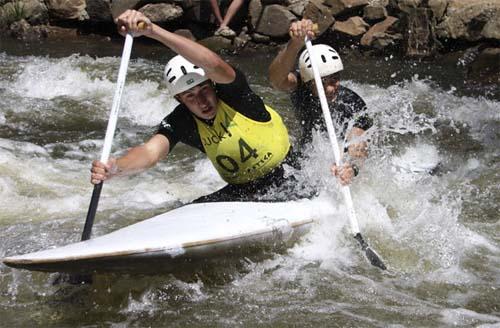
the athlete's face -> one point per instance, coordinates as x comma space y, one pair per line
331, 84
201, 100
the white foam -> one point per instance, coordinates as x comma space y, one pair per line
81, 77
422, 158
462, 317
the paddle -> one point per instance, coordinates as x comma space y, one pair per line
108, 140
372, 256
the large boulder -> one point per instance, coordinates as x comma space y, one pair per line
275, 21
162, 12
36, 12
297, 7
119, 6
22, 30
491, 29
438, 8
33, 11
407, 5
354, 26
341, 7
99, 10
217, 43
320, 14
255, 12
373, 13
420, 40
470, 20
382, 31
67, 9
185, 33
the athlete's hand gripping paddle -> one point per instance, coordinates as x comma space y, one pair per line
372, 256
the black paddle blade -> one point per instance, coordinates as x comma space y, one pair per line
83, 279
374, 259
372, 256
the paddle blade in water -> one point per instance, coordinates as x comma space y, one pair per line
372, 256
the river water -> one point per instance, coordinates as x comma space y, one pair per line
427, 199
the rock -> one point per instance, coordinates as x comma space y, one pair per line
119, 6
162, 12
298, 7
67, 9
383, 3
383, 40
255, 12
275, 21
320, 14
22, 30
341, 7
438, 8
420, 40
354, 26
185, 33
259, 38
99, 11
217, 43
241, 40
374, 13
491, 29
406, 5
470, 20
35, 12
379, 31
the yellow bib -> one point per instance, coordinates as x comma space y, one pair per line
242, 149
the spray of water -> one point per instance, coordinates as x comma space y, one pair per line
433, 157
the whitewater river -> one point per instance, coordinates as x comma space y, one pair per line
427, 200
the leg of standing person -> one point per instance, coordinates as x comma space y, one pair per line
224, 29
216, 10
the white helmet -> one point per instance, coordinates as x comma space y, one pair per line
327, 60
181, 75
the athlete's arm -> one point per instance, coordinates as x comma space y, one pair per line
215, 67
281, 69
358, 145
357, 151
137, 159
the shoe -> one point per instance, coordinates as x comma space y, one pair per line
225, 32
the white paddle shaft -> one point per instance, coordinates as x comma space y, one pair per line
333, 137
113, 116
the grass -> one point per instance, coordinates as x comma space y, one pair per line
12, 12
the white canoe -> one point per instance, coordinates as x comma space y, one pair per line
180, 239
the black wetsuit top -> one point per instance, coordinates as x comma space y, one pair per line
348, 106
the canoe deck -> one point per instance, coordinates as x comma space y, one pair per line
181, 239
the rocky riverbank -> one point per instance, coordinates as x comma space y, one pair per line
411, 28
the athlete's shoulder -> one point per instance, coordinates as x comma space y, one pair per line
349, 96
180, 117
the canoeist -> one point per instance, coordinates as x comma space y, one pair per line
218, 114
347, 108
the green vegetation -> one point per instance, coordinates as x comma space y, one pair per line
12, 12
